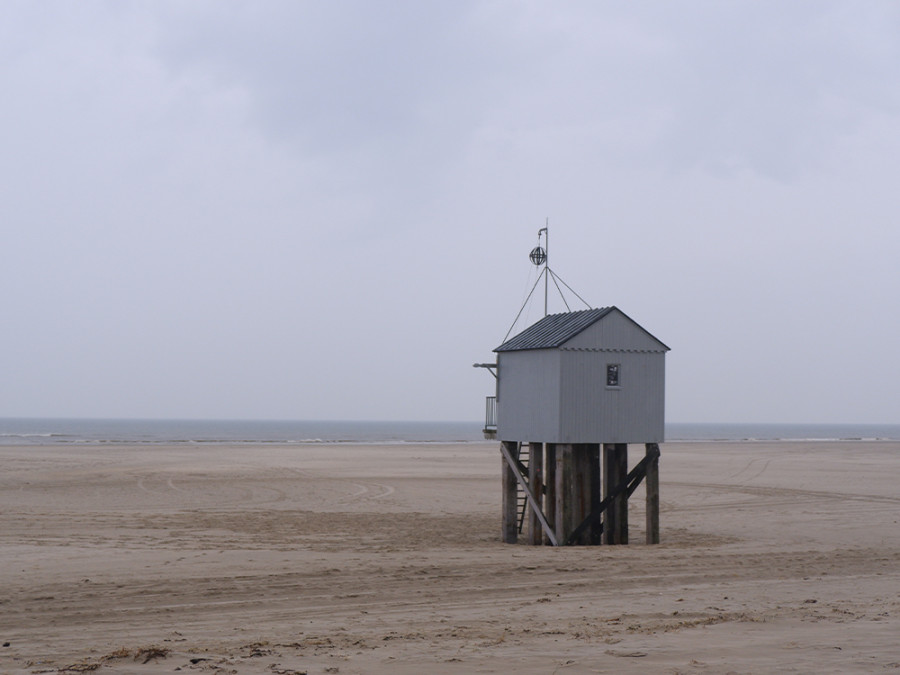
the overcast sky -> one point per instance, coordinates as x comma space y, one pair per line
323, 210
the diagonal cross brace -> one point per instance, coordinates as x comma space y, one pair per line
532, 502
628, 486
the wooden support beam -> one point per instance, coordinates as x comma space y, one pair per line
559, 493
608, 487
563, 509
611, 480
507, 449
550, 488
577, 495
510, 524
581, 494
652, 458
536, 481
595, 528
620, 503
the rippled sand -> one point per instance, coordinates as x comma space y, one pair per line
775, 557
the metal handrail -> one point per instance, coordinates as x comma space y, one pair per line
490, 413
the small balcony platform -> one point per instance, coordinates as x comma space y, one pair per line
490, 418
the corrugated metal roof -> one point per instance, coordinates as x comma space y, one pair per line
553, 330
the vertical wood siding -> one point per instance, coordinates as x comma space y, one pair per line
591, 412
528, 395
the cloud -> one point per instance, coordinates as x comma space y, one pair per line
305, 198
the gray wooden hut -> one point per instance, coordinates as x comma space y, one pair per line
567, 386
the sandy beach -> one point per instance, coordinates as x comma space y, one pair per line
775, 558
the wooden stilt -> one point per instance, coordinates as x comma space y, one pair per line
576, 494
652, 479
581, 491
510, 525
562, 508
621, 502
596, 529
550, 488
609, 485
584, 490
568, 489
573, 485
535, 480
615, 470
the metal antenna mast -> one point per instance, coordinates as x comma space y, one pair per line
541, 256
546, 231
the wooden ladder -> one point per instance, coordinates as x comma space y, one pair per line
522, 498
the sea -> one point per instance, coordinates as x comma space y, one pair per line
148, 432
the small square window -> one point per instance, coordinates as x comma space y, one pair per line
612, 374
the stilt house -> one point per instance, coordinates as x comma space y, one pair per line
593, 376
567, 386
